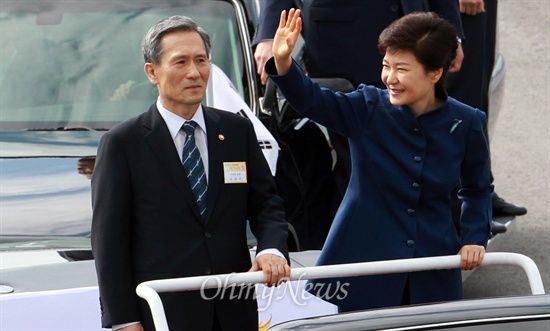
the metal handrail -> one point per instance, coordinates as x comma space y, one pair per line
149, 290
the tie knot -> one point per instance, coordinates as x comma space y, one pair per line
189, 127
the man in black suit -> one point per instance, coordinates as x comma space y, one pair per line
149, 223
471, 84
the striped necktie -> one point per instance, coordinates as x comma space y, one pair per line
192, 163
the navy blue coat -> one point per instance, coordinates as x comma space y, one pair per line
342, 35
398, 202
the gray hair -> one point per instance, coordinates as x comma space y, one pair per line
151, 44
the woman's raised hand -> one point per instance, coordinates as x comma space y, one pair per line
285, 39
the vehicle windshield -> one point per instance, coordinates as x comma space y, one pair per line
69, 71
77, 65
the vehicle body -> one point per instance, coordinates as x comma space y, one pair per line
529, 312
511, 313
69, 71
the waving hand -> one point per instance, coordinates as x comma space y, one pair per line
285, 39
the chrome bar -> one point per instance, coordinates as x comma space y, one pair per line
149, 290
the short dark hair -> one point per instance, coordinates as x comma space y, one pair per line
430, 38
151, 44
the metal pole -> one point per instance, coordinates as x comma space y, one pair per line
149, 290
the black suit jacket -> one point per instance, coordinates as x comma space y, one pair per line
146, 224
342, 35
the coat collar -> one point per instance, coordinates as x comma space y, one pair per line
159, 140
214, 132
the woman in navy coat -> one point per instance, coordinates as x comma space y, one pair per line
410, 145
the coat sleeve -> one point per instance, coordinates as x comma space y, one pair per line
476, 189
345, 113
265, 207
449, 10
270, 12
111, 195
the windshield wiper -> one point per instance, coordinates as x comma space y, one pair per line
69, 128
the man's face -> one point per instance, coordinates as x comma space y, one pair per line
183, 71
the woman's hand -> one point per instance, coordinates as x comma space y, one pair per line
285, 39
471, 256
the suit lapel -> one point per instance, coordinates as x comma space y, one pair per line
162, 146
215, 171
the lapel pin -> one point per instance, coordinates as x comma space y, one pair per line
221, 137
457, 122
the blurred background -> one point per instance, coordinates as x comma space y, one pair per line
520, 146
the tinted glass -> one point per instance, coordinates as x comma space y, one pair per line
78, 64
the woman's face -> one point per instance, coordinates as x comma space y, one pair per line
408, 83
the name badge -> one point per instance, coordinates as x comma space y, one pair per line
234, 172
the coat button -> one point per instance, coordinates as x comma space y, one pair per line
207, 234
417, 158
415, 186
411, 212
410, 243
207, 271
416, 130
394, 8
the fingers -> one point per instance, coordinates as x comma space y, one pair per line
274, 274
285, 39
282, 19
132, 327
481, 8
282, 274
263, 77
262, 54
254, 267
291, 22
293, 16
471, 7
457, 62
276, 270
297, 26
295, 23
267, 276
471, 256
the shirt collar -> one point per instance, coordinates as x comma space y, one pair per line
174, 122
